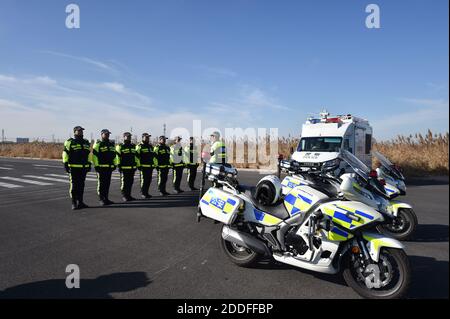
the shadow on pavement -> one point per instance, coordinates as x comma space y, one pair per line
180, 200
429, 278
431, 233
100, 287
269, 264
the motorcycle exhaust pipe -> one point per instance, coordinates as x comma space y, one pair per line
245, 240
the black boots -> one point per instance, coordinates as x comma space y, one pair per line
78, 204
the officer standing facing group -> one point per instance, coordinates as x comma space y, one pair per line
76, 157
162, 155
105, 162
147, 160
127, 162
218, 150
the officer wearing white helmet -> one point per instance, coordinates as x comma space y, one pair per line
218, 149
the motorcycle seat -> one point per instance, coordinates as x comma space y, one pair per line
278, 209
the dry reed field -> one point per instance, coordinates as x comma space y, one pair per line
417, 155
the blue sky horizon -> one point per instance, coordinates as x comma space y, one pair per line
251, 63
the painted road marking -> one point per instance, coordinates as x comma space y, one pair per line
42, 165
60, 175
26, 181
6, 168
48, 178
7, 185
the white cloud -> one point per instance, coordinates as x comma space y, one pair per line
97, 64
256, 97
114, 86
38, 107
250, 101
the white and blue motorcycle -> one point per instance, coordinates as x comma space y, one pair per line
400, 219
307, 229
392, 174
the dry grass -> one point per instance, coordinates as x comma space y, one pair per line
35, 150
417, 155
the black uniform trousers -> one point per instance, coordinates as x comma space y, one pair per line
177, 175
77, 178
192, 174
146, 179
103, 182
126, 181
163, 172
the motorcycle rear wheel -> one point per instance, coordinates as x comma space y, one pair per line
239, 255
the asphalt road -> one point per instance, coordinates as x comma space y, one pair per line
156, 249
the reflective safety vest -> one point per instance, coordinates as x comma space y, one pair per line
146, 155
191, 155
218, 153
162, 153
104, 154
126, 156
176, 155
77, 153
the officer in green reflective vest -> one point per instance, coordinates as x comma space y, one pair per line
176, 160
192, 160
76, 157
147, 160
105, 162
127, 162
218, 150
162, 154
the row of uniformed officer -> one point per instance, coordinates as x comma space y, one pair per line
127, 157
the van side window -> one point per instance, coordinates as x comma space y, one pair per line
368, 143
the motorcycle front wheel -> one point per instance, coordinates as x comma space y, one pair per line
402, 227
239, 255
392, 279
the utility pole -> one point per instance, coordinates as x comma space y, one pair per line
164, 129
3, 136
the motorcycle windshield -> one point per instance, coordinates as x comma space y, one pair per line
358, 167
388, 165
363, 171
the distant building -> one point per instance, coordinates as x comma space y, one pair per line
21, 140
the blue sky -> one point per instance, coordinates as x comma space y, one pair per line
228, 63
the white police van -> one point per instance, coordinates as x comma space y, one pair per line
322, 139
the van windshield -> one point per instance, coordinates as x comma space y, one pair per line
320, 144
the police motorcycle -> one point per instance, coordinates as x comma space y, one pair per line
400, 219
392, 174
306, 229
